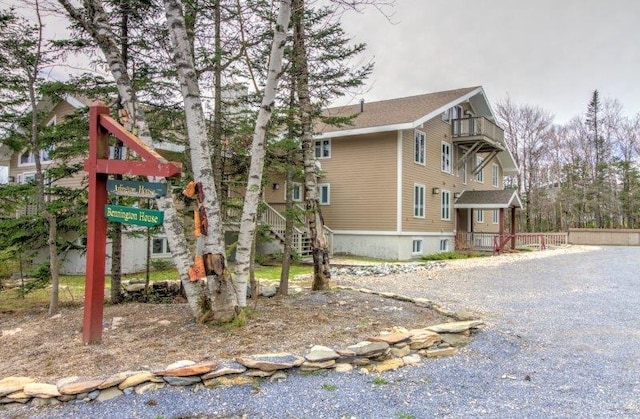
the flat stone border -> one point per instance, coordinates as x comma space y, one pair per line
389, 350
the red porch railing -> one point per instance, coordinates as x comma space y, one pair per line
496, 242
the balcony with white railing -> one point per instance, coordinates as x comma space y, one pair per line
479, 132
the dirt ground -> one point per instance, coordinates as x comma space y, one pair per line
141, 336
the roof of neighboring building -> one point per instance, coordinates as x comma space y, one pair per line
393, 114
493, 199
46, 104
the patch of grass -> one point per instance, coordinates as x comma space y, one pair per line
401, 415
362, 258
329, 387
241, 319
168, 274
71, 294
256, 385
453, 255
273, 272
379, 381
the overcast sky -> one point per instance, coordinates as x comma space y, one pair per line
549, 53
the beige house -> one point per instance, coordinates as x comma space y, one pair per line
392, 179
22, 169
409, 177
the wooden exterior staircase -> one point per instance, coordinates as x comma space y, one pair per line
272, 216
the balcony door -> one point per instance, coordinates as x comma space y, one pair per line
456, 115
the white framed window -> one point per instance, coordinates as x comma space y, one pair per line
446, 157
27, 158
495, 171
444, 245
322, 149
445, 205
495, 216
416, 247
418, 200
480, 174
160, 246
420, 144
324, 193
26, 177
480, 216
296, 192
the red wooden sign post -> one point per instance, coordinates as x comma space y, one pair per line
99, 168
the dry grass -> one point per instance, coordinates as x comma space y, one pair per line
50, 349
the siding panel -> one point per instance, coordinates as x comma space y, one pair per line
362, 175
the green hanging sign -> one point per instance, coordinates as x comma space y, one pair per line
131, 215
136, 189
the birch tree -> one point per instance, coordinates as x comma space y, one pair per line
258, 146
93, 19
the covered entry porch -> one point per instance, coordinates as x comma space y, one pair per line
488, 235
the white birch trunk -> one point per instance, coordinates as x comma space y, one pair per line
223, 296
97, 25
248, 220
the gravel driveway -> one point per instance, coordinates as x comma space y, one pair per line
561, 340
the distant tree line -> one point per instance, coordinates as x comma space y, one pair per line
583, 174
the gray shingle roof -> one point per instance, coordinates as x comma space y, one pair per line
393, 111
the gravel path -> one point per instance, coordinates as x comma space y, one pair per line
561, 340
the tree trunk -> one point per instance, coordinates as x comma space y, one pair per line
315, 222
116, 238
224, 298
248, 219
54, 263
95, 22
283, 289
33, 74
217, 100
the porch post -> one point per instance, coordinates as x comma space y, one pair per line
501, 222
455, 228
513, 228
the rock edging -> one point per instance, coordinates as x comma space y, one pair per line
389, 350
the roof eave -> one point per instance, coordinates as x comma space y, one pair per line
480, 206
362, 131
